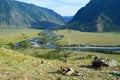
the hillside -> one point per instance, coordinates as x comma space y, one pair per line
67, 18
19, 14
17, 66
97, 16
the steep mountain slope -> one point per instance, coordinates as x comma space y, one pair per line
18, 14
97, 15
67, 18
11, 15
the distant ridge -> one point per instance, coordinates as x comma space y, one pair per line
97, 16
67, 18
15, 14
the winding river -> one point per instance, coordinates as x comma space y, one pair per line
35, 42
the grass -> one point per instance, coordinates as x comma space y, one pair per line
73, 56
17, 66
70, 37
23, 65
89, 38
15, 35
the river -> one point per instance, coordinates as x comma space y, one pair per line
35, 42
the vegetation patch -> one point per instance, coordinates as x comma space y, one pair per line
15, 65
72, 37
16, 35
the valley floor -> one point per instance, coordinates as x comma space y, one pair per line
72, 37
29, 64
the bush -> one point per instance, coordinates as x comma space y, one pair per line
43, 33
13, 45
58, 53
25, 44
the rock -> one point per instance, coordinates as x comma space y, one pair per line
67, 70
112, 63
59, 78
64, 69
103, 62
77, 73
42, 62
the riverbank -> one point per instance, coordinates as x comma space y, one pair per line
49, 44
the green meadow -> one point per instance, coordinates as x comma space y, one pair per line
70, 37
16, 35
89, 38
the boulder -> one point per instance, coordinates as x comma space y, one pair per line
103, 62
67, 70
78, 73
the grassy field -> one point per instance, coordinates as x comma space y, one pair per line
22, 64
87, 38
70, 37
17, 66
15, 35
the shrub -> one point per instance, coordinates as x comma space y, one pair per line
13, 45
25, 44
58, 53
43, 33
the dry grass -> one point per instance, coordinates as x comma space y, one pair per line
17, 66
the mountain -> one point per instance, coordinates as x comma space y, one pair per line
67, 18
19, 14
97, 16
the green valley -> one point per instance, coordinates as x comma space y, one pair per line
32, 63
37, 43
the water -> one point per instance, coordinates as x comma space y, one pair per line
34, 41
